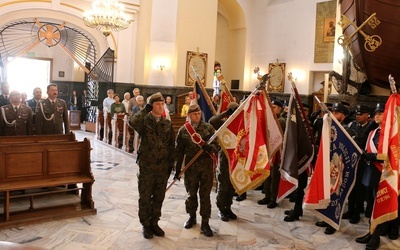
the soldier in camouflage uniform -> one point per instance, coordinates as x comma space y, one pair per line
16, 118
199, 176
225, 189
155, 161
51, 114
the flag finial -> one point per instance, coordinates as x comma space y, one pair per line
392, 84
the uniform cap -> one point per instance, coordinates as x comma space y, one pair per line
337, 106
157, 97
380, 107
362, 109
277, 102
193, 108
233, 105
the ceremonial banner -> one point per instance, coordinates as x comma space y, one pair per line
225, 94
335, 176
204, 101
245, 142
274, 130
386, 204
297, 149
285, 188
226, 98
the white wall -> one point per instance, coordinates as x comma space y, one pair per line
285, 31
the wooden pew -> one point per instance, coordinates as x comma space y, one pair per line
117, 125
99, 125
37, 138
39, 165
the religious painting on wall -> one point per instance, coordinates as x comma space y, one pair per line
196, 68
276, 83
325, 30
329, 30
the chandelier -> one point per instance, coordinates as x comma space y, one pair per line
106, 16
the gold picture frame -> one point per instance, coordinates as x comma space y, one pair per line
277, 80
196, 66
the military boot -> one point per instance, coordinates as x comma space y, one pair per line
231, 215
191, 222
223, 215
147, 232
157, 230
205, 228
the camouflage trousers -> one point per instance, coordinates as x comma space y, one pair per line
225, 189
199, 178
152, 182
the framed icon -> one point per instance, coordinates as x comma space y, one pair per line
277, 80
196, 68
61, 73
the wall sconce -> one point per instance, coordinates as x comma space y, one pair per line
161, 64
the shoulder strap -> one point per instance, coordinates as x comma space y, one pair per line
196, 137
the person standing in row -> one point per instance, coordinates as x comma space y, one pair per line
85, 103
155, 162
225, 189
191, 138
371, 178
132, 101
361, 127
32, 103
5, 91
74, 101
52, 114
16, 118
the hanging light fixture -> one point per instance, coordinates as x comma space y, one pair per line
106, 16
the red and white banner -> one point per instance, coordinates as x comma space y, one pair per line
245, 141
224, 102
317, 195
386, 204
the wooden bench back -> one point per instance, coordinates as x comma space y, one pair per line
37, 138
44, 161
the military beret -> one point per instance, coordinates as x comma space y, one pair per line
337, 106
193, 108
361, 109
157, 97
233, 105
380, 107
277, 102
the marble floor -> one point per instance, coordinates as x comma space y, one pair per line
116, 224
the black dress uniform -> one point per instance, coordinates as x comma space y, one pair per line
16, 120
4, 100
51, 118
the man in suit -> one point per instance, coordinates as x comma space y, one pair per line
32, 103
5, 91
16, 118
37, 96
52, 114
